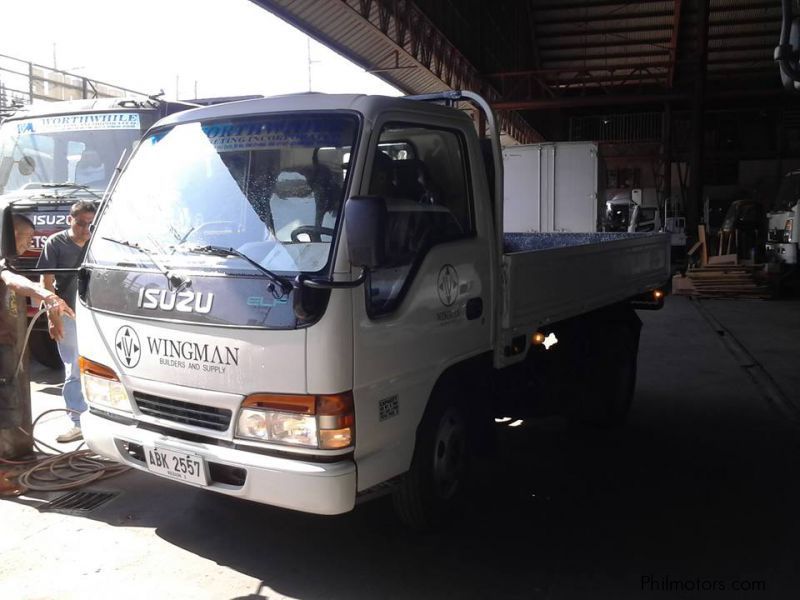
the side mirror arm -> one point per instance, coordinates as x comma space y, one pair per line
329, 284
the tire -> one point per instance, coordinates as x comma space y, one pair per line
607, 354
432, 490
45, 350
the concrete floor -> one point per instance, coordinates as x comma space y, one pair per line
699, 491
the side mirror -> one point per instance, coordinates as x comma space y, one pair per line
8, 239
365, 225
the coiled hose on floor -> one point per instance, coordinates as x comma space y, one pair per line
63, 470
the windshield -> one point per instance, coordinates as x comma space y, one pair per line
81, 148
618, 211
789, 192
270, 188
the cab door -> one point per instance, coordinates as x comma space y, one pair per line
430, 305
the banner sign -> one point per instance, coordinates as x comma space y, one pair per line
277, 133
80, 122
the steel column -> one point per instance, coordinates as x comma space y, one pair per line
695, 199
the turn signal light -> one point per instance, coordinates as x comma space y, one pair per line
101, 386
92, 368
540, 339
283, 402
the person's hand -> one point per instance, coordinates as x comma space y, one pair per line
56, 309
55, 327
56, 306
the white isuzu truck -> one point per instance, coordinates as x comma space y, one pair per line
306, 301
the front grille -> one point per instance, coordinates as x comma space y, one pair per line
197, 415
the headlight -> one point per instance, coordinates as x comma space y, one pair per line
281, 427
101, 386
323, 421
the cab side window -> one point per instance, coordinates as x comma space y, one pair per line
421, 172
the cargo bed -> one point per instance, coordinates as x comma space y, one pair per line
554, 276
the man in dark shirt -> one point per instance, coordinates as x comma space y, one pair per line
65, 250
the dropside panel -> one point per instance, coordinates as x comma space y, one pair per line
552, 284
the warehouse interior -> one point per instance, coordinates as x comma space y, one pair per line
684, 98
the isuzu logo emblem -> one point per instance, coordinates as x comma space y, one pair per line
181, 301
447, 285
127, 345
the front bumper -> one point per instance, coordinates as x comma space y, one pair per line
321, 488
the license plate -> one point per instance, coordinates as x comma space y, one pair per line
178, 465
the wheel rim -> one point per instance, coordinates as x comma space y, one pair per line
449, 454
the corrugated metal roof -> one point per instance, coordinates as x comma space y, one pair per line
742, 35
600, 38
639, 35
616, 44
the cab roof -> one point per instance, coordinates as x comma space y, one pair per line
369, 106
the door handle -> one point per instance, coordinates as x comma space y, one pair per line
474, 308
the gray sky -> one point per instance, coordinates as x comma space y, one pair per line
229, 47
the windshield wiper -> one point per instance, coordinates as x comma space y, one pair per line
71, 186
284, 282
176, 280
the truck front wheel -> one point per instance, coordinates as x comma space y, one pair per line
434, 485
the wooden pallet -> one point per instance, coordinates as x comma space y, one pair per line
721, 281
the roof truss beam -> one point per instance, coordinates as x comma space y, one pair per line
564, 5
658, 42
610, 56
613, 17
727, 22
609, 31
